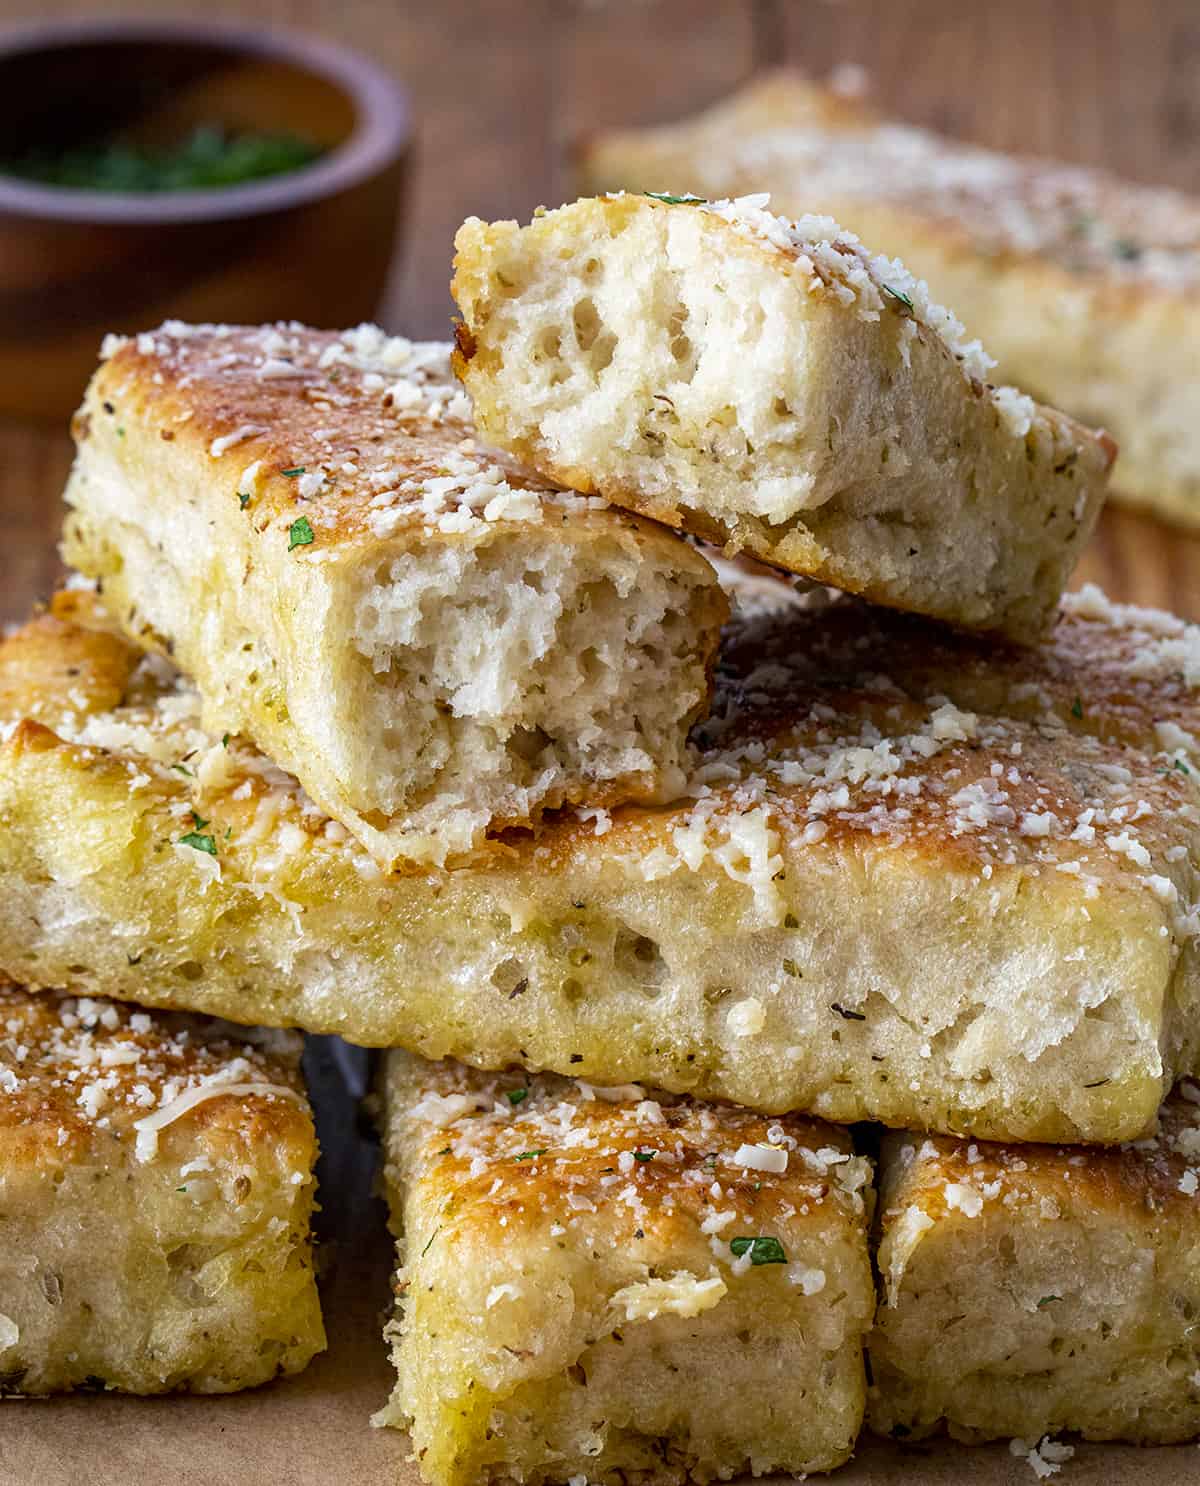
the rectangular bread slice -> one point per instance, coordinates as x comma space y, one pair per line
771, 386
156, 1186
916, 878
1084, 287
436, 644
616, 1285
1028, 1290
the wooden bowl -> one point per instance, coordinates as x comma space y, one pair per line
313, 244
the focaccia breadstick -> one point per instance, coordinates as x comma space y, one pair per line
1031, 1290
916, 878
156, 1186
619, 1285
437, 644
770, 385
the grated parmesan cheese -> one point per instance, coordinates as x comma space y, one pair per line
149, 1126
761, 1158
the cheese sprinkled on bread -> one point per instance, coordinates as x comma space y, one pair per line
1032, 815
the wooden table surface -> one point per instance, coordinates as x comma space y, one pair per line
501, 86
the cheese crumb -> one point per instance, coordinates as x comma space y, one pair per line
501, 1292
747, 1018
761, 1158
1045, 1458
965, 1198
681, 1295
809, 1281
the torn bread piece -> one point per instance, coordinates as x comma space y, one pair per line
916, 877
1082, 285
771, 386
619, 1285
1030, 1290
156, 1186
436, 644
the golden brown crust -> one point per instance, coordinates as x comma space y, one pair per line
782, 680
516, 1165
53, 664
1114, 672
299, 402
76, 1065
1144, 1175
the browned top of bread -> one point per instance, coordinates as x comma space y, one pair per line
52, 664
939, 1174
1116, 672
1075, 758
78, 1074
361, 435
508, 1151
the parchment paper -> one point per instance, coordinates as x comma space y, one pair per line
315, 1430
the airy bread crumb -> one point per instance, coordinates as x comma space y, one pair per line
1081, 285
1061, 1296
770, 385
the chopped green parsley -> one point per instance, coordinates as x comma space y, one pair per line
198, 837
899, 296
209, 157
300, 533
1077, 708
687, 199
298, 469
516, 1096
531, 1155
762, 1250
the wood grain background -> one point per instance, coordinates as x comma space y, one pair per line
501, 86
